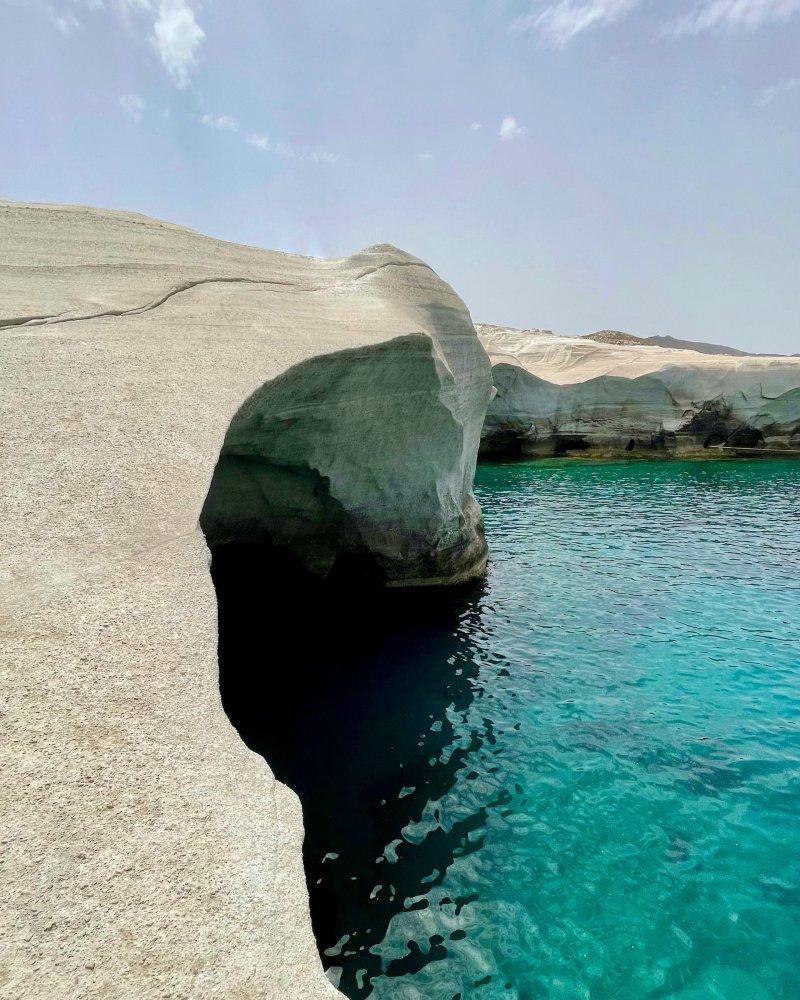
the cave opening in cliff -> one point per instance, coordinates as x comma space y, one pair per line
563, 444
746, 437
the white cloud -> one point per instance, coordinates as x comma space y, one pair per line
509, 129
132, 105
424, 156
223, 122
176, 36
65, 21
560, 22
320, 156
746, 15
475, 126
769, 94
260, 142
290, 152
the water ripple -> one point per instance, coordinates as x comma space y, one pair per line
598, 787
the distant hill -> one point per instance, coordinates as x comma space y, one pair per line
615, 337
507, 335
691, 345
618, 338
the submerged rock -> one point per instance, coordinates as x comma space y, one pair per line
557, 395
151, 853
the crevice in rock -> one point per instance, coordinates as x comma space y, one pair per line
24, 321
186, 286
138, 310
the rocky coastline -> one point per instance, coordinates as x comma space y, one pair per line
165, 394
614, 397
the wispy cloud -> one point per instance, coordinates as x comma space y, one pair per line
732, 15
558, 23
260, 142
288, 151
475, 126
768, 94
65, 21
223, 122
176, 36
424, 156
320, 156
509, 129
132, 105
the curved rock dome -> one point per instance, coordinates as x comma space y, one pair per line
150, 373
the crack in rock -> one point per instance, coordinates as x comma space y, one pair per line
29, 321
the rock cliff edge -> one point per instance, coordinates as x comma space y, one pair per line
150, 374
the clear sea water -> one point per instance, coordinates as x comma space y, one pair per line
581, 780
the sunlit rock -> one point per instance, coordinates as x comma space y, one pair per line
557, 395
149, 853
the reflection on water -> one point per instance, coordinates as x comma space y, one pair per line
354, 701
579, 781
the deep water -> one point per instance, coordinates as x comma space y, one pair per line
580, 780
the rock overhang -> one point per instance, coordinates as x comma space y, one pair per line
118, 400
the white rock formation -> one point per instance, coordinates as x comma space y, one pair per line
508, 338
557, 394
148, 852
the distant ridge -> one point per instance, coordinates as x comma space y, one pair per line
618, 338
690, 345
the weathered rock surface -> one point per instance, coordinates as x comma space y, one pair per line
509, 334
148, 852
560, 394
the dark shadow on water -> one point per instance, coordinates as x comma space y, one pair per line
346, 692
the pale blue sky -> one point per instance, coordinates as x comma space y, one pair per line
584, 164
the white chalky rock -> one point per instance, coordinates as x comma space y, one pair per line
557, 394
148, 852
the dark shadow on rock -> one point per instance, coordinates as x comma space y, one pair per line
346, 689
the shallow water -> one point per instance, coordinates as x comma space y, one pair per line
579, 781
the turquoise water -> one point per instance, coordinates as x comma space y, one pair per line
590, 785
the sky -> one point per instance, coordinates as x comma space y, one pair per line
574, 165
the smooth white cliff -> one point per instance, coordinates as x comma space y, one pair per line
558, 394
148, 853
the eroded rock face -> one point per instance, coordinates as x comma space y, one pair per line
150, 853
556, 395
